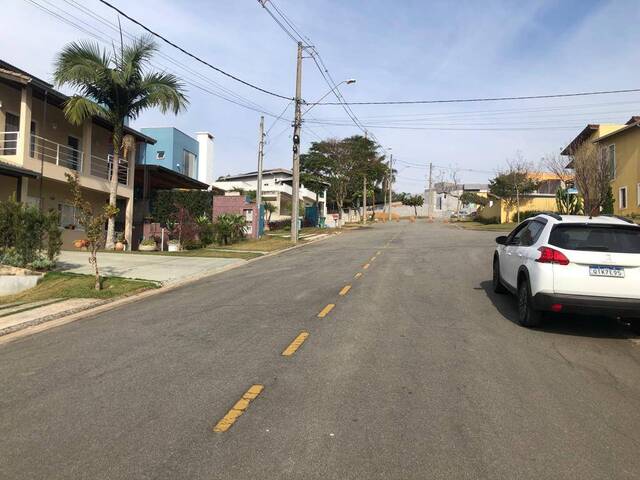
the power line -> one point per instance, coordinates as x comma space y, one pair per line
195, 57
488, 99
66, 16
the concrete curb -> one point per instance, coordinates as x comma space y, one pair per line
45, 323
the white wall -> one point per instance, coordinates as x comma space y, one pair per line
205, 157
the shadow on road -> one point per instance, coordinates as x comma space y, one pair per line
562, 324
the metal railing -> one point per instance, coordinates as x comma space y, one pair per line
64, 156
8, 143
101, 167
52, 152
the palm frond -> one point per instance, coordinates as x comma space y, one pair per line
162, 90
80, 63
135, 56
78, 109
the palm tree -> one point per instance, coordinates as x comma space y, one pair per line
115, 86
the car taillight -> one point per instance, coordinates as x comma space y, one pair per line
549, 255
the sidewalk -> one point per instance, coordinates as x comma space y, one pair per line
168, 270
160, 268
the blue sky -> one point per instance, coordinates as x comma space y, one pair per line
395, 50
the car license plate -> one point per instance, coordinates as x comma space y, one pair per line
606, 271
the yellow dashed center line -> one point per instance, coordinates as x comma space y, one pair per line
295, 345
238, 409
372, 259
344, 290
325, 311
358, 275
365, 266
378, 252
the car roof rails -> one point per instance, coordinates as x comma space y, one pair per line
552, 215
620, 217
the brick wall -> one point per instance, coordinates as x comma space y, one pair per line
236, 204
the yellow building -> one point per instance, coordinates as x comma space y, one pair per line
38, 146
623, 151
621, 144
542, 200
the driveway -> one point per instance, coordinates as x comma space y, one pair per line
161, 268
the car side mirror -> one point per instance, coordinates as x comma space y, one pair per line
502, 240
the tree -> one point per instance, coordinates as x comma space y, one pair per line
115, 86
468, 198
270, 208
509, 184
558, 166
592, 176
341, 166
568, 204
414, 201
92, 223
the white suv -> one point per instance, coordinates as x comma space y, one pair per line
570, 263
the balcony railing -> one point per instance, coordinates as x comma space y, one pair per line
8, 143
102, 168
52, 152
64, 156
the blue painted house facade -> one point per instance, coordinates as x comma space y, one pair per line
173, 149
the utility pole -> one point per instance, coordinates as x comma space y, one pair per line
297, 124
364, 200
260, 161
430, 188
390, 182
364, 191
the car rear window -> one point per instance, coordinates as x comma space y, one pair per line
596, 238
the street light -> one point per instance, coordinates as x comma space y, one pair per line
349, 81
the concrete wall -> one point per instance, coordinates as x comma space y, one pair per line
500, 209
173, 142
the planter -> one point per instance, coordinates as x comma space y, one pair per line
174, 247
119, 246
15, 280
147, 248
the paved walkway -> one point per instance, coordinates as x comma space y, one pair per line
161, 268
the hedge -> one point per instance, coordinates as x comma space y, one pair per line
164, 203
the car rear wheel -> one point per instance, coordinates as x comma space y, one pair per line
497, 283
528, 316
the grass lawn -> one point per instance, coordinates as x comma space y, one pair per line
265, 244
72, 285
493, 227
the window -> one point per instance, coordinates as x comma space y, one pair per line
612, 160
67, 215
623, 198
73, 153
528, 234
188, 163
596, 238
160, 155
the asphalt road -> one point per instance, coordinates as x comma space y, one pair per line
417, 373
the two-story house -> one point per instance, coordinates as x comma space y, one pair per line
180, 152
621, 145
38, 146
276, 189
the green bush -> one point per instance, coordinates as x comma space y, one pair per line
280, 225
229, 228
28, 236
165, 204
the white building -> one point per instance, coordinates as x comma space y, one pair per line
205, 157
276, 190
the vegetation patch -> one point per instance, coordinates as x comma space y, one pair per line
72, 285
